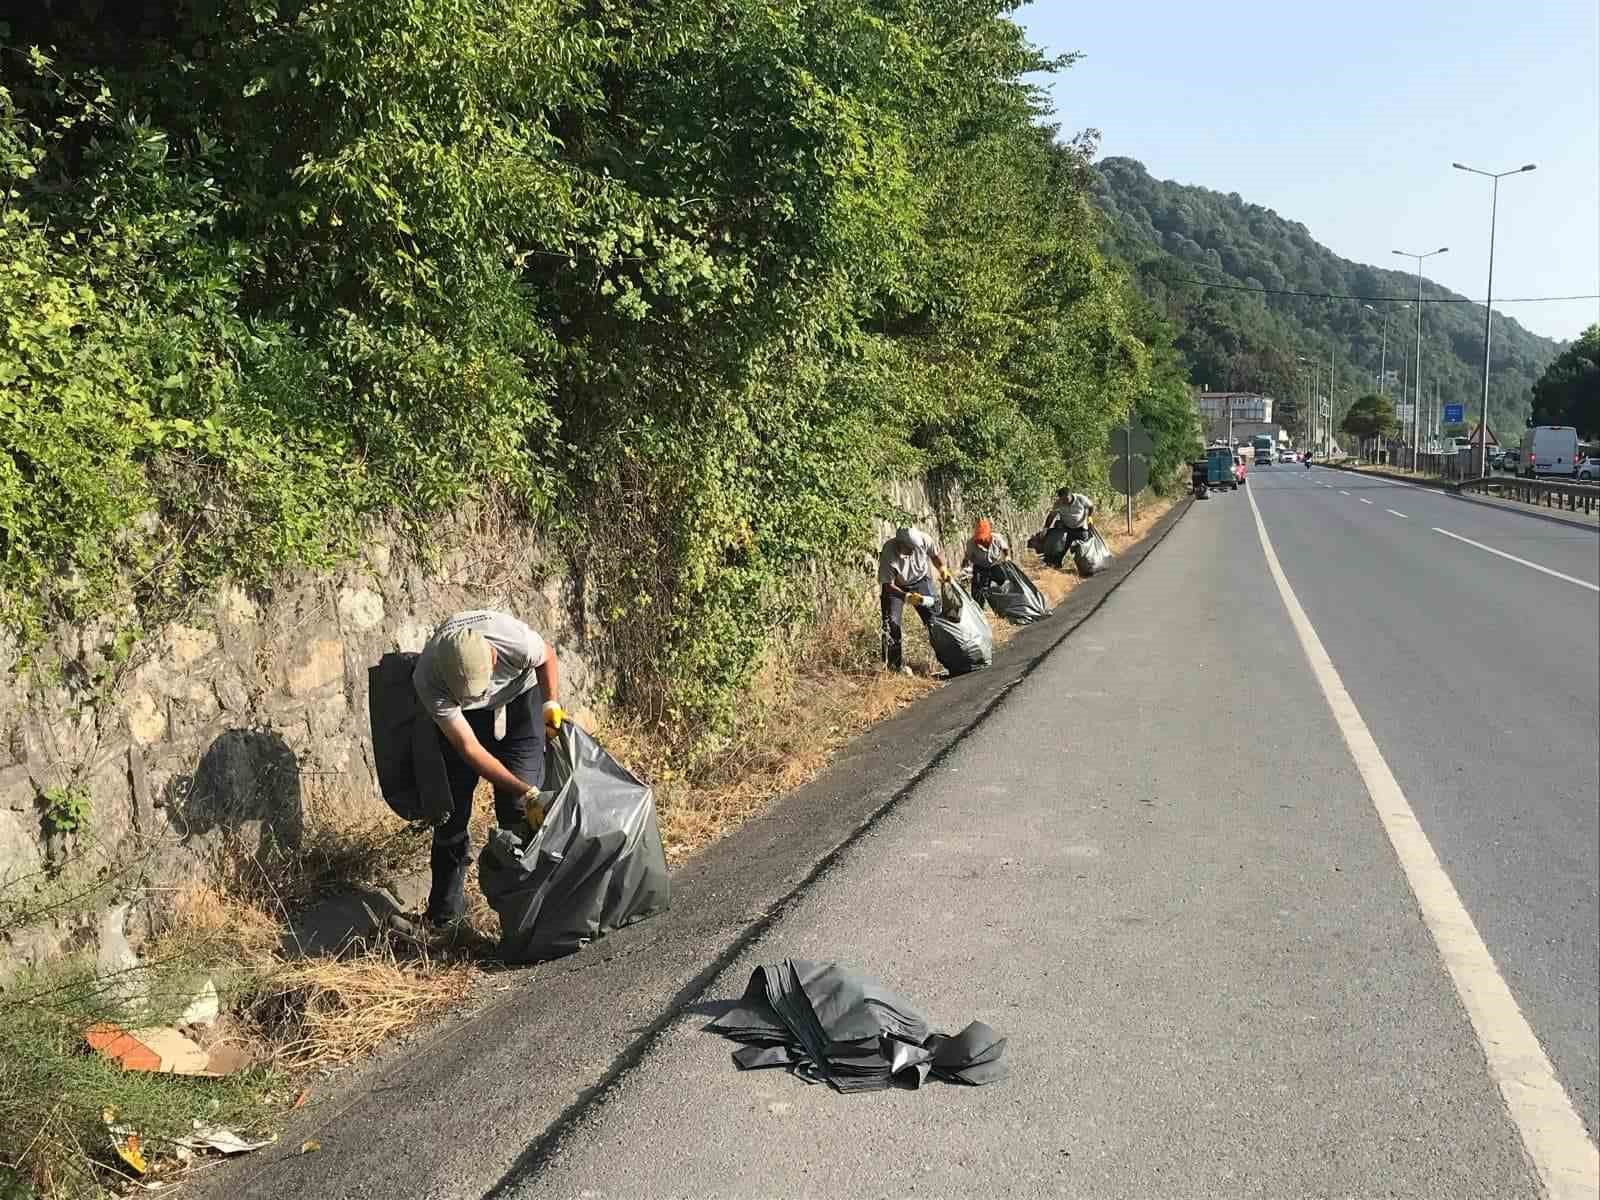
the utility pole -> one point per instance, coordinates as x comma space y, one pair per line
1488, 305
1417, 415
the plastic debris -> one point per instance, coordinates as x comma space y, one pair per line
827, 1024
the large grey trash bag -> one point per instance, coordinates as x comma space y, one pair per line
405, 743
596, 864
1053, 542
1015, 597
1091, 555
827, 1024
965, 644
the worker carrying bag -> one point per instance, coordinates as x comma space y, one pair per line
595, 864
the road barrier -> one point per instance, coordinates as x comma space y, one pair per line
1571, 497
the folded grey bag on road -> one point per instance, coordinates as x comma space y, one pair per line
1015, 597
965, 644
1092, 555
827, 1024
405, 743
596, 864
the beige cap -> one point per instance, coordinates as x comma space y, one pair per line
464, 663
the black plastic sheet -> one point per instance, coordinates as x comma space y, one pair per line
596, 864
827, 1024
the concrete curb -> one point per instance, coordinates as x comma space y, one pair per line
490, 1094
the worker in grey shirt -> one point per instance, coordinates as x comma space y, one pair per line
479, 677
1072, 514
905, 572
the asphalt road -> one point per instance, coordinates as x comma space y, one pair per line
1156, 868
1480, 679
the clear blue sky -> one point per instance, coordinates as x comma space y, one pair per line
1347, 118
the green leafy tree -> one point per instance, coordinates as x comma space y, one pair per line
1568, 393
1371, 416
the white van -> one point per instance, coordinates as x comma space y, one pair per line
1549, 450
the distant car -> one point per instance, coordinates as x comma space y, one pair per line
1589, 470
1286, 456
1239, 469
1511, 461
1497, 458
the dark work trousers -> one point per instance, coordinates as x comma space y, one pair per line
893, 609
521, 752
1074, 536
983, 578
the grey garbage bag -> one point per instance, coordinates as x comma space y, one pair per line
1091, 555
831, 1025
405, 744
1053, 542
965, 644
1015, 597
596, 864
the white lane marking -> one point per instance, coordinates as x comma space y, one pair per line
1584, 583
1551, 1130
1342, 492
1363, 500
1398, 514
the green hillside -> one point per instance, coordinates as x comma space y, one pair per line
1170, 233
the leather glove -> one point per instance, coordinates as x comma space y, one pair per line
533, 807
554, 715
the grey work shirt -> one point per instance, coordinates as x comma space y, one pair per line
519, 652
991, 555
1072, 512
902, 570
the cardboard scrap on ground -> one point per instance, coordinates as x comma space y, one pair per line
163, 1049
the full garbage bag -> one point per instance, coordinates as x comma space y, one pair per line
1015, 597
965, 643
1053, 542
828, 1024
596, 864
1091, 555
405, 743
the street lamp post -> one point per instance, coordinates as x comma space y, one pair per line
1312, 416
1488, 302
1416, 412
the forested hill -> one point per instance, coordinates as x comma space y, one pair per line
1170, 233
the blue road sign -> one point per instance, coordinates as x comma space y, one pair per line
1453, 414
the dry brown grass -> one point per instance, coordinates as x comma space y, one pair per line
297, 1014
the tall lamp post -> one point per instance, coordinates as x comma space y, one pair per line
1488, 302
1416, 411
1311, 416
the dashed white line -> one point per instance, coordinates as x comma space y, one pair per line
1363, 500
1398, 514
1342, 492
1550, 1128
1583, 583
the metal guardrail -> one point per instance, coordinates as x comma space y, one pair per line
1569, 497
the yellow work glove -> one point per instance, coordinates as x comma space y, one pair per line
533, 808
554, 715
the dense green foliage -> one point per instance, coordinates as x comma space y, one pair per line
1370, 416
684, 280
1243, 340
1568, 393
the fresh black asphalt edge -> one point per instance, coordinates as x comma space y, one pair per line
539, 1151
489, 1085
